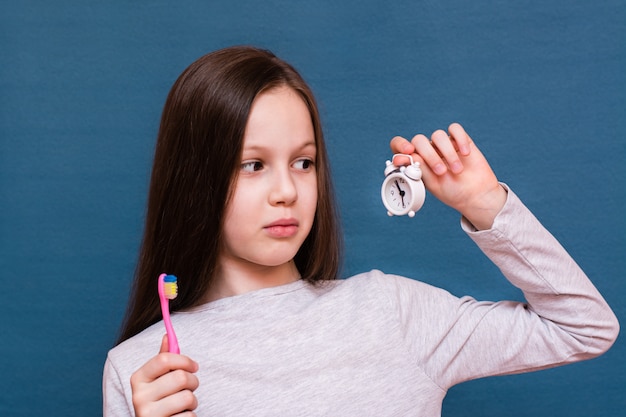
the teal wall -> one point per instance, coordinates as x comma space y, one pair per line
539, 85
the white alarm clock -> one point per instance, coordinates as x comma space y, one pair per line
403, 191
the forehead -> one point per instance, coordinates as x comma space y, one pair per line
278, 115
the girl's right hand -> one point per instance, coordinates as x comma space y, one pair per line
164, 386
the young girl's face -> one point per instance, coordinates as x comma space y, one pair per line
275, 197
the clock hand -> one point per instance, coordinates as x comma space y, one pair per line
402, 192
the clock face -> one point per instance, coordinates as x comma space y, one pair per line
397, 194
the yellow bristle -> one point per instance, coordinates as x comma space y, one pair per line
170, 289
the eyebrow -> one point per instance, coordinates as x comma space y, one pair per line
259, 147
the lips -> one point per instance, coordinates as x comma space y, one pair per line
282, 228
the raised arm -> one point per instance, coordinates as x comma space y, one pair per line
565, 318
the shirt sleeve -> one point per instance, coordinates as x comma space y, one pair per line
114, 402
564, 320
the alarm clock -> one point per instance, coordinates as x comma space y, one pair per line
403, 191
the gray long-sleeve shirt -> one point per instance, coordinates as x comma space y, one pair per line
378, 344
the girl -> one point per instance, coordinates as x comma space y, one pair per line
241, 210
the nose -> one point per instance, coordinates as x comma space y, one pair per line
284, 190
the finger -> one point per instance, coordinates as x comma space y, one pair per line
446, 149
173, 382
461, 138
162, 364
400, 145
186, 414
164, 345
157, 394
180, 404
429, 154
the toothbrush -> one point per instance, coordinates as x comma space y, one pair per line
168, 290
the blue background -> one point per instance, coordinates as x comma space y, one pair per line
539, 85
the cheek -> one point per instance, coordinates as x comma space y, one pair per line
236, 208
311, 198
237, 222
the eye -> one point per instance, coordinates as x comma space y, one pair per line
304, 164
251, 166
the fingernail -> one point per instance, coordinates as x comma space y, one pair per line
407, 148
456, 167
439, 169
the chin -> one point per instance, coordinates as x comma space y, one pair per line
276, 261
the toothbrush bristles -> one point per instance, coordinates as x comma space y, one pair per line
170, 287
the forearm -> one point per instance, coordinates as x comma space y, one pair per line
554, 285
483, 210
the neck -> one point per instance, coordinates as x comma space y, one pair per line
237, 278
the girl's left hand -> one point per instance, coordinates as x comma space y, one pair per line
456, 172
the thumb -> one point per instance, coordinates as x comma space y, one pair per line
164, 345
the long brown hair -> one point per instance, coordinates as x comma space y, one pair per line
196, 161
